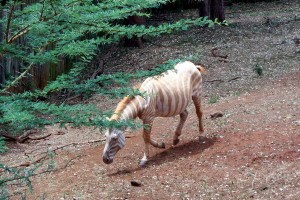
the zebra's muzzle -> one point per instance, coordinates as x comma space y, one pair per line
107, 160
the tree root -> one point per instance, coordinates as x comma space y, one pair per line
22, 138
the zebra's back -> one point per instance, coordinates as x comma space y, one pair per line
170, 93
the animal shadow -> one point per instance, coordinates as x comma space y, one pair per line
183, 150
171, 154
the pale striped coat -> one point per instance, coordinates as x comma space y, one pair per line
167, 95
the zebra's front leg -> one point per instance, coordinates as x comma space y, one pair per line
147, 150
183, 117
147, 133
148, 140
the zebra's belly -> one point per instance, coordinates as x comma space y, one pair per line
164, 110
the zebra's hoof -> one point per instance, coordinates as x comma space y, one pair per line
143, 163
175, 142
163, 146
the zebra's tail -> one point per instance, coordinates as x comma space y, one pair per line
201, 69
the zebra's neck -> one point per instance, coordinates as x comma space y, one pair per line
133, 108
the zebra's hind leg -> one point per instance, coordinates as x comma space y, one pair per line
197, 103
183, 117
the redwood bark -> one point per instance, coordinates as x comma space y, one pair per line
135, 41
213, 9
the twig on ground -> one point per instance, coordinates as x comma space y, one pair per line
219, 80
232, 79
215, 80
73, 97
41, 137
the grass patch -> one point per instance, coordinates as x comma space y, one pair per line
258, 69
214, 99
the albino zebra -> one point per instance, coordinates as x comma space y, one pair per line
167, 95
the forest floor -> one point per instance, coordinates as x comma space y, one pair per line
251, 152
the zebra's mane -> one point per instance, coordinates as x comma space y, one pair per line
120, 107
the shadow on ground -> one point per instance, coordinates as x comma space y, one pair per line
171, 154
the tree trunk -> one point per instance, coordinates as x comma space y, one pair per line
213, 9
2, 63
135, 41
218, 10
204, 8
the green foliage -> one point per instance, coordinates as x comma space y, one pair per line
20, 114
258, 69
214, 99
17, 176
3, 148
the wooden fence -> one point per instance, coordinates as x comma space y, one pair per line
38, 76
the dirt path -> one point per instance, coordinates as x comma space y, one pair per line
253, 151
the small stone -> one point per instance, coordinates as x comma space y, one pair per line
136, 183
289, 116
297, 123
216, 115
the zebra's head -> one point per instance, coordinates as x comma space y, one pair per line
115, 140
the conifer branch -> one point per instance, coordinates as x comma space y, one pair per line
22, 75
20, 33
